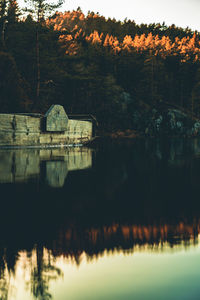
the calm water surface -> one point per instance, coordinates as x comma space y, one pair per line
117, 221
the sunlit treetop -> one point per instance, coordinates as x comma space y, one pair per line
73, 25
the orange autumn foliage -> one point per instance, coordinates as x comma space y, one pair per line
74, 22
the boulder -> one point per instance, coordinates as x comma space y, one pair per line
196, 128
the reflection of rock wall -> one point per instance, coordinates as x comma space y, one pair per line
19, 165
79, 159
176, 151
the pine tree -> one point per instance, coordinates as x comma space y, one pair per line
9, 13
12, 93
13, 11
3, 19
40, 9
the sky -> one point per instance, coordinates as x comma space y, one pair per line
182, 13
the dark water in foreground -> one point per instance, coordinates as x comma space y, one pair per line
121, 221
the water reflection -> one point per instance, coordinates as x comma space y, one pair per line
20, 165
125, 199
42, 272
36, 268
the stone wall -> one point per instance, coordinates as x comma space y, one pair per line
28, 130
78, 129
20, 123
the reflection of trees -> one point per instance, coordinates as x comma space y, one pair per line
41, 274
42, 271
4, 286
8, 259
4, 283
72, 242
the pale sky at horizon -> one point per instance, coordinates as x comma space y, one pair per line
182, 13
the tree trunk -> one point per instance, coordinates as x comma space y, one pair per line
38, 65
3, 34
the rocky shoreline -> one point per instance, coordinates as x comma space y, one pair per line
168, 122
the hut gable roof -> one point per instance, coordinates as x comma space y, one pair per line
56, 118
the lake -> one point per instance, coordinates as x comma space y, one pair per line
119, 220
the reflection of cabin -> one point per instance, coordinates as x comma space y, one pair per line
54, 128
20, 165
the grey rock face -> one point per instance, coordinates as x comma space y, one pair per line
196, 128
170, 122
158, 122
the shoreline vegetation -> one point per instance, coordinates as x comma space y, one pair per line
135, 79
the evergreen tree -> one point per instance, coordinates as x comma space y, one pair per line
13, 11
12, 95
40, 9
3, 19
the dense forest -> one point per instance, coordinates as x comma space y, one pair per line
90, 64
